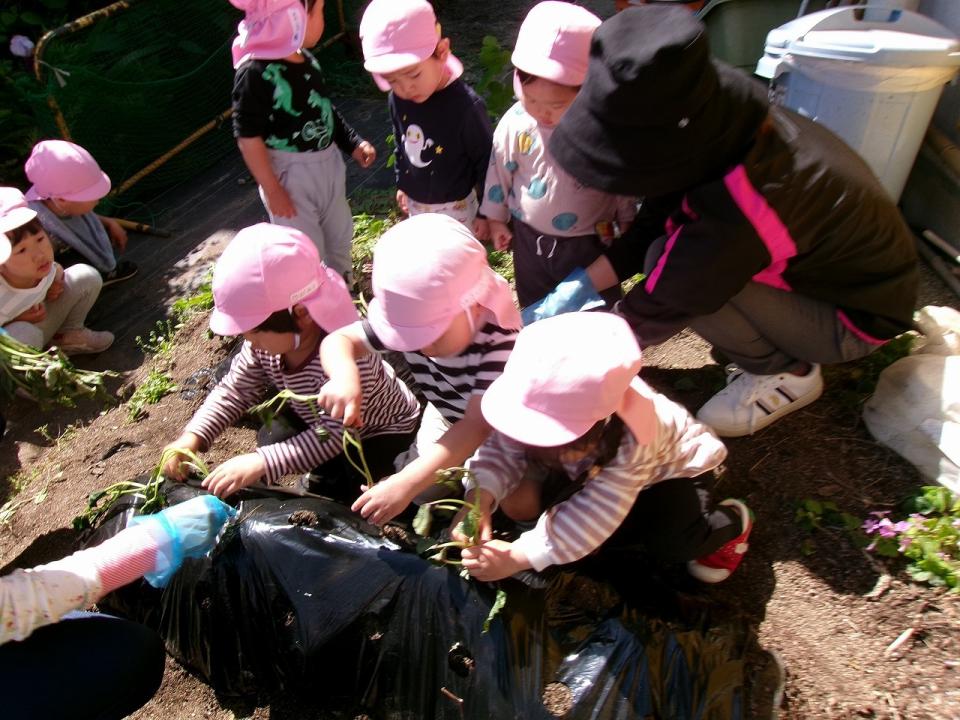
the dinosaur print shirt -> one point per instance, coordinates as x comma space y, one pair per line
285, 103
443, 144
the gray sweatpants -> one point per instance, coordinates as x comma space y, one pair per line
767, 331
81, 289
316, 183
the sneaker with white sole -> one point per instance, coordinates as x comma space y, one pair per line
83, 341
752, 402
720, 564
124, 270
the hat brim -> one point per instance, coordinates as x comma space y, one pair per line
548, 69
14, 219
223, 324
97, 191
503, 409
616, 156
373, 66
402, 338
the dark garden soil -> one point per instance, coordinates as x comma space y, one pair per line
824, 616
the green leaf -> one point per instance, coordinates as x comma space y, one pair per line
31, 18
423, 521
498, 604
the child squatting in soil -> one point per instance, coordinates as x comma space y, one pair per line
271, 287
67, 185
287, 128
440, 124
597, 458
558, 225
40, 302
438, 302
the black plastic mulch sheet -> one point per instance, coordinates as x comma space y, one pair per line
332, 607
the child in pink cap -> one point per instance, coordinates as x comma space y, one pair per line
597, 458
67, 184
270, 286
454, 320
558, 225
288, 131
40, 302
441, 126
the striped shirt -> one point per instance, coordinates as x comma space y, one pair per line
449, 382
389, 407
570, 530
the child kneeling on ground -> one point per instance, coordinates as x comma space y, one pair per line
626, 461
271, 287
40, 302
438, 302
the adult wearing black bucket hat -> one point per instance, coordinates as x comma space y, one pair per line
760, 229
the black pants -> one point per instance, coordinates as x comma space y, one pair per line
85, 666
541, 261
671, 521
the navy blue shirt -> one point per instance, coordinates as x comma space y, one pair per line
443, 144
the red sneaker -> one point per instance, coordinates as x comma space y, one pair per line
720, 564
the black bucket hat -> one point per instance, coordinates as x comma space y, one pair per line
656, 114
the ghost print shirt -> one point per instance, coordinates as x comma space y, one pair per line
442, 144
524, 182
285, 103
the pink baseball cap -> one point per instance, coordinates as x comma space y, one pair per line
267, 268
554, 42
396, 34
566, 373
270, 30
426, 271
14, 212
62, 169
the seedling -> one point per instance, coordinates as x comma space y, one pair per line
825, 516
157, 385
469, 527
46, 375
99, 502
160, 340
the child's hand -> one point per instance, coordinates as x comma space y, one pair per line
341, 398
493, 560
402, 202
279, 202
365, 154
481, 229
235, 474
485, 523
173, 468
35, 314
500, 234
57, 286
384, 501
118, 236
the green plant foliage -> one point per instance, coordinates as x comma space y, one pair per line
157, 385
199, 301
496, 85
160, 340
929, 537
47, 376
824, 515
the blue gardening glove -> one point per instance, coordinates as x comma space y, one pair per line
188, 529
574, 293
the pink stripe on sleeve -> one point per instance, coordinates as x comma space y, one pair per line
767, 225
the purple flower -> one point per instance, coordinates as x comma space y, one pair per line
21, 46
905, 541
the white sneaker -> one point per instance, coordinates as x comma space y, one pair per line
83, 341
751, 402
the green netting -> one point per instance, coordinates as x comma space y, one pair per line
138, 83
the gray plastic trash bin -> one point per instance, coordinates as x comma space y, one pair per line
871, 75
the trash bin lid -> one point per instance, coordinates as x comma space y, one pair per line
878, 36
